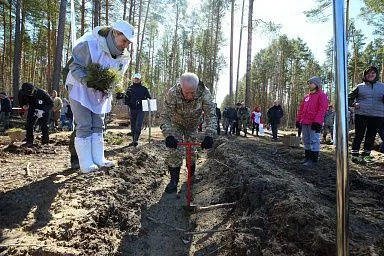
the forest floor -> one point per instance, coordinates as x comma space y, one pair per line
278, 206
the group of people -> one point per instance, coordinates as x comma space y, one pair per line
183, 107
316, 115
239, 117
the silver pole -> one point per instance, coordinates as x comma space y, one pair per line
149, 120
342, 190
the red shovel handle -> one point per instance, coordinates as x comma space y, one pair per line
189, 146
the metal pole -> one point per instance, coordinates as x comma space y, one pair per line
149, 120
342, 190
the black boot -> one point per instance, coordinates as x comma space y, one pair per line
74, 161
307, 156
315, 156
172, 185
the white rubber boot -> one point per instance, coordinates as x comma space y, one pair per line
84, 153
98, 151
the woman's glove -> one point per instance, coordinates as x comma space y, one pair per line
298, 125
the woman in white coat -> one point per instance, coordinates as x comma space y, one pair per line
106, 46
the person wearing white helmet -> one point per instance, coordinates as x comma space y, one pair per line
107, 46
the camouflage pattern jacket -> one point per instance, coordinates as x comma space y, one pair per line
180, 114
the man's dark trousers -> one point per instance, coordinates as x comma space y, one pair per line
137, 118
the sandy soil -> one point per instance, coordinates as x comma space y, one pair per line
272, 205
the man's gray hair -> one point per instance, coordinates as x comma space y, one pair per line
189, 78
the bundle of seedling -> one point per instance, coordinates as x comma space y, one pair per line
101, 78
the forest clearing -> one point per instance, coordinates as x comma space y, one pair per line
84, 64
279, 207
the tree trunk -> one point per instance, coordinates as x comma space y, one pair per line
82, 22
131, 21
238, 57
22, 61
143, 32
49, 43
138, 46
172, 67
10, 53
2, 63
106, 12
96, 13
59, 45
249, 56
215, 52
231, 53
346, 17
125, 9
131, 11
17, 55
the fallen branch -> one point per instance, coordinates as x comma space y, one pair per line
163, 223
223, 164
214, 206
25, 245
208, 231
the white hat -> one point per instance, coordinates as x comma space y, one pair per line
127, 29
137, 75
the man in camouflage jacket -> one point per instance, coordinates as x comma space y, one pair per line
183, 106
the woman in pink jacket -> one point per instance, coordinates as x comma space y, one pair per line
310, 117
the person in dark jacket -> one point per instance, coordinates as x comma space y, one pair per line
368, 101
38, 103
235, 127
5, 110
230, 116
243, 116
218, 115
275, 113
133, 98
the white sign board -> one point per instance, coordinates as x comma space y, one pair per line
152, 104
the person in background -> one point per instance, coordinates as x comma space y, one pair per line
5, 110
57, 106
63, 112
329, 120
311, 117
298, 126
39, 104
275, 113
69, 116
243, 119
134, 96
367, 98
218, 115
107, 47
184, 103
230, 116
256, 120
235, 129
